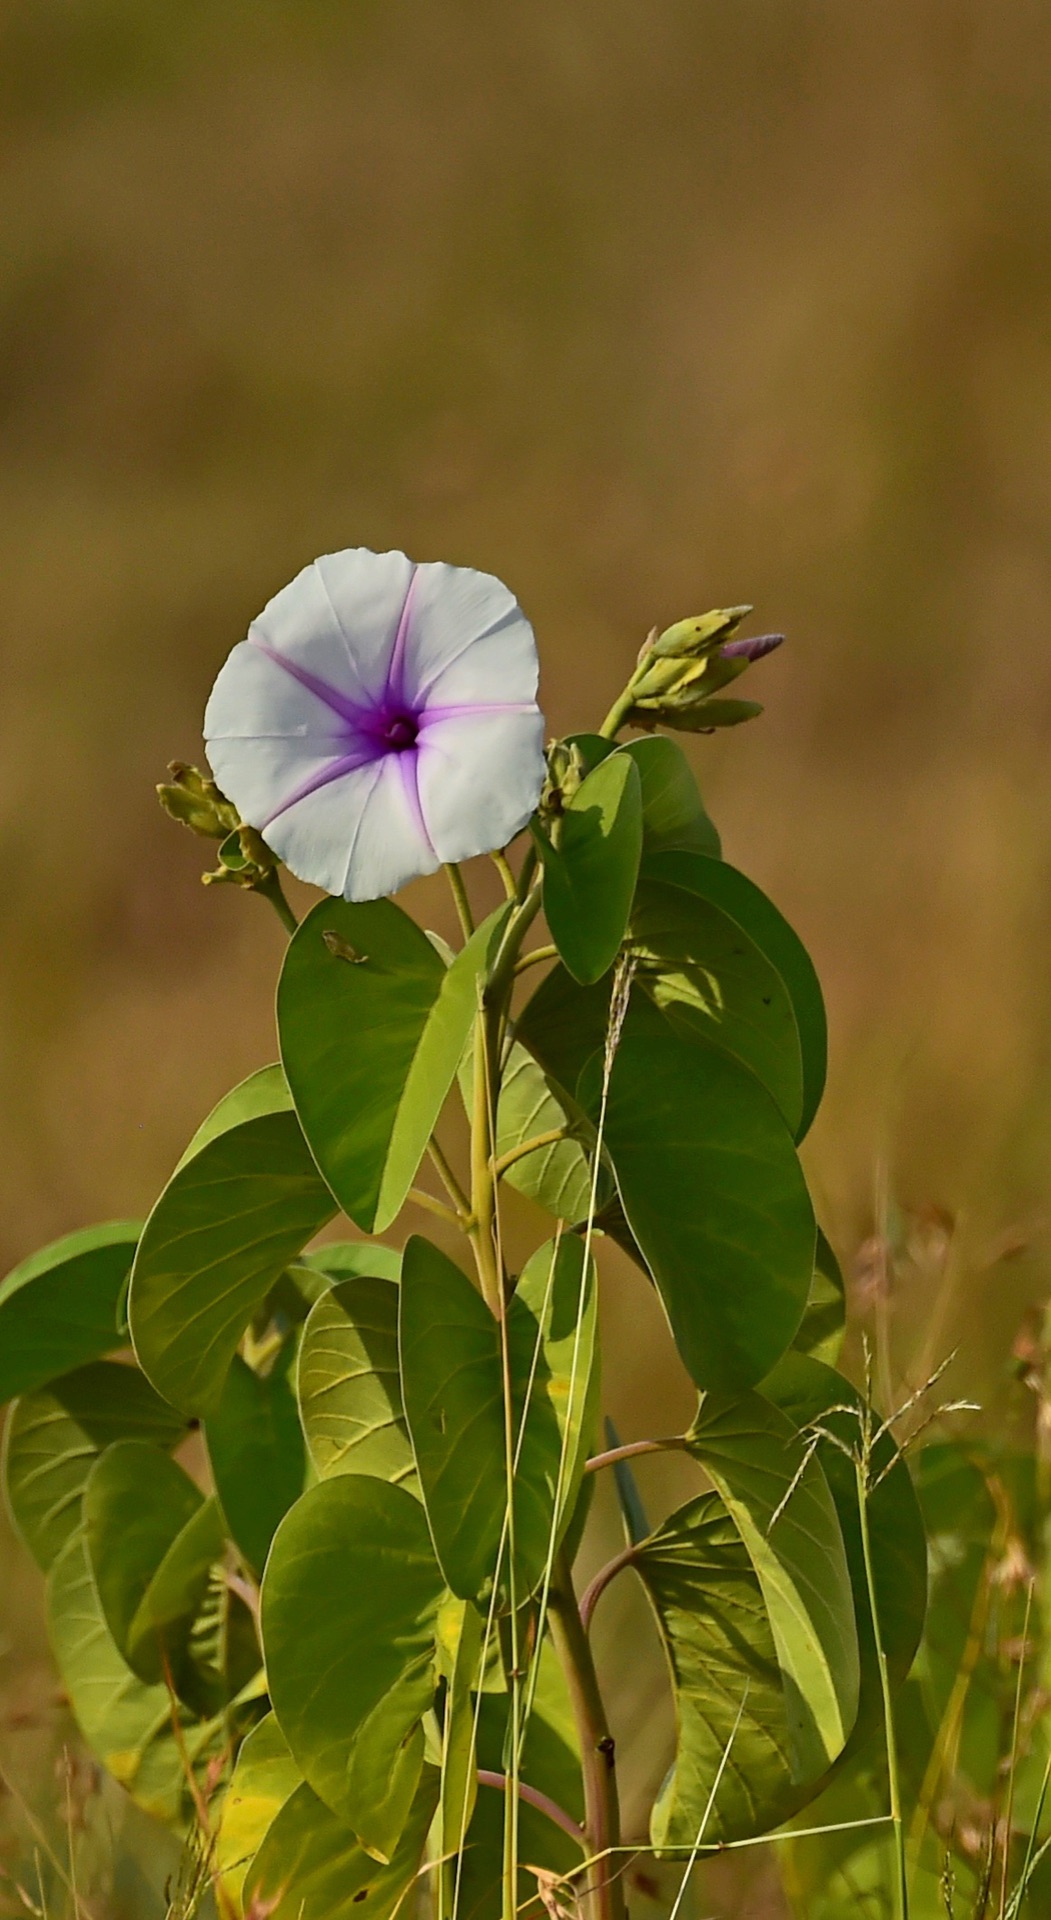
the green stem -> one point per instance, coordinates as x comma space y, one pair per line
617, 714
449, 1181
503, 868
535, 959
421, 1198
549, 1139
273, 891
603, 1897
675, 1442
483, 1179
893, 1777
459, 894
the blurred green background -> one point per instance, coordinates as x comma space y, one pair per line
645, 309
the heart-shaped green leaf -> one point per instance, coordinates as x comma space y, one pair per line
265, 1091
349, 1387
589, 878
258, 1460
673, 815
809, 1392
265, 1777
54, 1437
821, 1329
226, 1226
310, 1866
118, 1714
452, 1369
778, 1498
564, 1025
556, 1176
460, 1632
350, 1599
61, 1307
736, 895
126, 1723
174, 1598
136, 1504
712, 983
153, 1540
372, 1028
733, 1771
715, 1197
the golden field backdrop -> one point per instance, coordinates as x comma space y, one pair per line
645, 309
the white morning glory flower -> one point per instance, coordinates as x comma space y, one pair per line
380, 719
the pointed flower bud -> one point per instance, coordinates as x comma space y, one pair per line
754, 649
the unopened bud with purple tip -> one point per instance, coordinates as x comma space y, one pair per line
754, 649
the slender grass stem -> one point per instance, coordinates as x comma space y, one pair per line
1005, 1860
901, 1887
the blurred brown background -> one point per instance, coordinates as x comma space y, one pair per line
645, 309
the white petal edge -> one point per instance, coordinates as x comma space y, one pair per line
339, 617
453, 608
479, 780
357, 836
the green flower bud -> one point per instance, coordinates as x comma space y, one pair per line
195, 800
566, 769
692, 639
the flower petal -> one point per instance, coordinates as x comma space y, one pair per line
358, 832
338, 618
467, 640
479, 778
255, 698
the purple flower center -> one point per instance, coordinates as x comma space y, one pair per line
396, 731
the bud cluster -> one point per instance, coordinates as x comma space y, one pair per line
192, 798
680, 671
